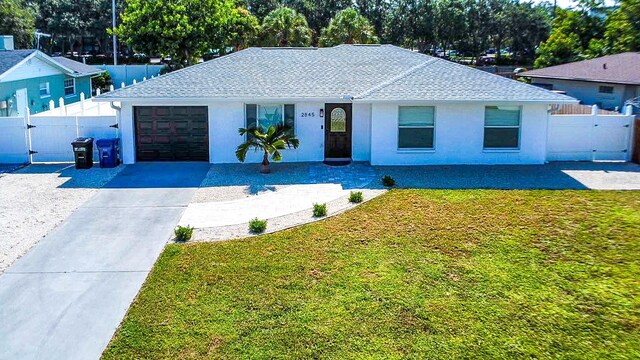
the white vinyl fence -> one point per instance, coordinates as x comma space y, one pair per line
590, 137
48, 138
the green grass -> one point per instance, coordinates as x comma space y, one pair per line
411, 274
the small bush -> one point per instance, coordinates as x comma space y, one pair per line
183, 233
388, 181
257, 226
355, 197
319, 210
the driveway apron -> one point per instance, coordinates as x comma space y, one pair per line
66, 297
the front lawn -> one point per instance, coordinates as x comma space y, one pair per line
411, 274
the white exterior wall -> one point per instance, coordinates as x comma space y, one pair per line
459, 133
588, 92
459, 137
225, 118
361, 132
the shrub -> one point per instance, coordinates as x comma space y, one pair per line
183, 233
355, 197
257, 226
319, 210
388, 181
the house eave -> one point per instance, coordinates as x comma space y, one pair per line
570, 78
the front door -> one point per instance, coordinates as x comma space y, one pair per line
22, 102
337, 139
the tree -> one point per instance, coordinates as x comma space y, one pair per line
348, 27
18, 20
269, 141
285, 27
622, 29
182, 29
572, 33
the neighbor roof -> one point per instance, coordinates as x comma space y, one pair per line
77, 67
617, 69
10, 58
361, 72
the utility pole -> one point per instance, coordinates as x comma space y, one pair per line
113, 27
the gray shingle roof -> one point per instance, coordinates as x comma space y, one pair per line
10, 58
377, 73
617, 69
77, 67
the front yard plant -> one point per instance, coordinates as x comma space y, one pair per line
270, 141
356, 197
388, 181
257, 226
183, 233
411, 274
319, 210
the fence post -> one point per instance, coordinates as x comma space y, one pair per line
27, 119
111, 87
134, 81
594, 110
628, 110
594, 119
82, 103
122, 84
52, 105
98, 91
63, 109
144, 78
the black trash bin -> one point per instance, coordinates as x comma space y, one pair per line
83, 152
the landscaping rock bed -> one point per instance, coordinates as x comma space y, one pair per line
37, 198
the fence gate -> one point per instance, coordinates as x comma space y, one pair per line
50, 137
589, 137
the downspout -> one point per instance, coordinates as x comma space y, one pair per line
117, 125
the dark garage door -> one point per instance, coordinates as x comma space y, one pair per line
171, 133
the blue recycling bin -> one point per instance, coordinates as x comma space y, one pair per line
108, 150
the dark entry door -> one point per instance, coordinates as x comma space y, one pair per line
337, 124
171, 133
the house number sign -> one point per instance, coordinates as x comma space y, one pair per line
308, 114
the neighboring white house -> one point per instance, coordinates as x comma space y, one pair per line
376, 103
607, 82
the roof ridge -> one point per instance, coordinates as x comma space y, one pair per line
396, 78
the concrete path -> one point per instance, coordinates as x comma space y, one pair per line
66, 297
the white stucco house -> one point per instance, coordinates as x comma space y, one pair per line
376, 103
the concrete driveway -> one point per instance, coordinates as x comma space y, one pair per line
66, 297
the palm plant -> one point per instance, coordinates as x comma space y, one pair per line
286, 27
271, 141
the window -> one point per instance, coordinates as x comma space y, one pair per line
605, 89
338, 120
501, 127
44, 89
416, 126
69, 87
270, 114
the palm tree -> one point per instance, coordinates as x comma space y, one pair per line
348, 27
276, 138
285, 27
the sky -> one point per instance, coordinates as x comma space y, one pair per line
567, 3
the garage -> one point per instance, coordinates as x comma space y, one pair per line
171, 133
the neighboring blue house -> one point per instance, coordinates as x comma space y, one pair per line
32, 78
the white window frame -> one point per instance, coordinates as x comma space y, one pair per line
427, 149
282, 105
601, 87
519, 127
73, 80
47, 88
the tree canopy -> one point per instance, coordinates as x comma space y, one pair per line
17, 19
285, 27
185, 30
348, 27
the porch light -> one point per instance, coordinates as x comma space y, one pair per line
321, 112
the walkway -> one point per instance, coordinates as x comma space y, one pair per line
66, 297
